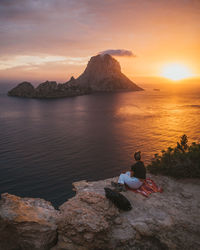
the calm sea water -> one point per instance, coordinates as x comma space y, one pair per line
45, 145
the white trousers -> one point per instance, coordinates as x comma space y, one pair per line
132, 182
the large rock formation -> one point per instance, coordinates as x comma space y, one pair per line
27, 223
24, 89
168, 220
103, 73
49, 90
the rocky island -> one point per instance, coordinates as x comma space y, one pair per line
168, 220
102, 74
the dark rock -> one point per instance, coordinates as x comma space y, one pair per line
49, 89
24, 89
46, 89
103, 73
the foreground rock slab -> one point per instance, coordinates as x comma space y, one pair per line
168, 220
89, 221
85, 222
27, 223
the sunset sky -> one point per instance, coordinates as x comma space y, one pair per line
54, 39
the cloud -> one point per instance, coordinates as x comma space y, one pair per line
80, 28
35, 61
43, 33
118, 52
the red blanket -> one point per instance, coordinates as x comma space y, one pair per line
148, 187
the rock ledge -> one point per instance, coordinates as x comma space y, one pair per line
168, 220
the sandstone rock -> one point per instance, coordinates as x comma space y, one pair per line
118, 221
27, 223
80, 185
85, 222
186, 195
168, 220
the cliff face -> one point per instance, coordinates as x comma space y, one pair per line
168, 220
103, 73
27, 223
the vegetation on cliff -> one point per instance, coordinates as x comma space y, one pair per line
182, 161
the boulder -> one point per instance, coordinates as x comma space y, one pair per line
85, 222
27, 223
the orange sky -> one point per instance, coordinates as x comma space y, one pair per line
54, 39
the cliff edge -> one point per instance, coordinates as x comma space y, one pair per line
168, 220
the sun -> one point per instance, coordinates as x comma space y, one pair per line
176, 71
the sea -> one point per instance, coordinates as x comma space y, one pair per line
46, 145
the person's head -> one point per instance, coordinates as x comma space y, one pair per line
137, 156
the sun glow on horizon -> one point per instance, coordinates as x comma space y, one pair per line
176, 71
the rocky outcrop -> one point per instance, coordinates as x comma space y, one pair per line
49, 89
103, 73
85, 222
168, 220
24, 89
27, 223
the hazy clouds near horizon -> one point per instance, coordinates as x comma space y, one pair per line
55, 38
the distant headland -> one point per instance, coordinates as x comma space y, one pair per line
102, 74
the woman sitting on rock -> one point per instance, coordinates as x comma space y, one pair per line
134, 178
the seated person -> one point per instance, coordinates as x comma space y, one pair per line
134, 178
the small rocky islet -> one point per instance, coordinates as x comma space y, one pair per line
102, 74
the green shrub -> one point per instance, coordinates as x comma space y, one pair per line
180, 162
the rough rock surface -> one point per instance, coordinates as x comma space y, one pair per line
103, 73
24, 89
168, 220
49, 89
85, 222
27, 223
88, 221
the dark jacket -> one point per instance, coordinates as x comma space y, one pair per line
139, 170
